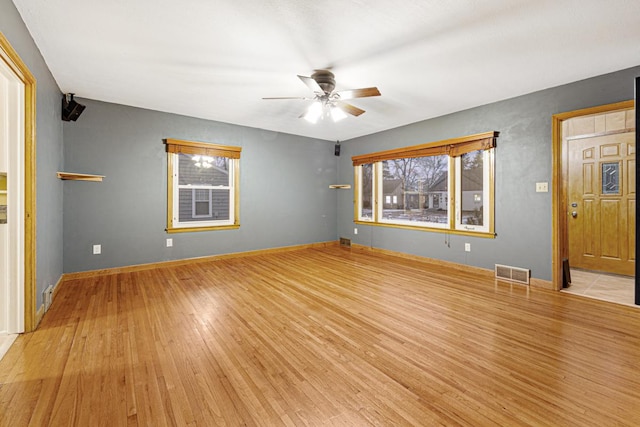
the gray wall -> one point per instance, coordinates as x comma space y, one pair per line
284, 188
49, 151
523, 157
284, 179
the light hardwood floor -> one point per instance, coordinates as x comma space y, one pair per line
322, 337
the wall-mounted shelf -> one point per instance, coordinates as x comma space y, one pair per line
340, 186
80, 176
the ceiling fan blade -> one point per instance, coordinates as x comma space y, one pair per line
358, 93
311, 84
286, 97
349, 109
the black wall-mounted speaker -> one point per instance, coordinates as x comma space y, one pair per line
336, 150
71, 110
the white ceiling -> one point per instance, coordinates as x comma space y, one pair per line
216, 59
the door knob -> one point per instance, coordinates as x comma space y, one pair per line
574, 214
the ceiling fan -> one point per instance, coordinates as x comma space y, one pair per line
327, 102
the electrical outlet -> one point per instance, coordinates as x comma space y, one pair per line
47, 297
97, 249
542, 187
355, 231
467, 247
169, 243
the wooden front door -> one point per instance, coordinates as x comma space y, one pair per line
601, 203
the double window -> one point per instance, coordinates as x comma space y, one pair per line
202, 186
445, 185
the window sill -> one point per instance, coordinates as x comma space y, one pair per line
208, 228
483, 234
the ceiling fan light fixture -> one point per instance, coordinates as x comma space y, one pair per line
314, 112
337, 114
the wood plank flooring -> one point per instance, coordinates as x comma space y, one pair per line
327, 336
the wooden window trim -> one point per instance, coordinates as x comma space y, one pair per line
452, 147
176, 146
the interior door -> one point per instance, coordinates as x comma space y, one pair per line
12, 190
601, 203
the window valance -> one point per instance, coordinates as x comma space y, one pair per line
452, 147
202, 148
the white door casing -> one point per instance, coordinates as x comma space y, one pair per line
12, 234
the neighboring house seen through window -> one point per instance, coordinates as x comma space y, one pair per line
445, 185
202, 186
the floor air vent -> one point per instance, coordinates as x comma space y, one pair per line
514, 274
345, 242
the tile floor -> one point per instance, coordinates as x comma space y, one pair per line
608, 287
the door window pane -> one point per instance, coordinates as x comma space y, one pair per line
610, 178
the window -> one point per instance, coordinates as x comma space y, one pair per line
365, 207
472, 185
202, 186
445, 185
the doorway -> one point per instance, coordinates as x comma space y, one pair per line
17, 168
11, 202
594, 200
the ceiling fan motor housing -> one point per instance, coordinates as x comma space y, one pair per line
325, 80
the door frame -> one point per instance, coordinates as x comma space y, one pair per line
13, 61
559, 157
637, 97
